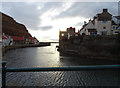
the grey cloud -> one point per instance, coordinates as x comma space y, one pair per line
88, 9
79, 23
23, 13
44, 28
53, 4
28, 14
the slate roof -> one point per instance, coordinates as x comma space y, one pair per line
118, 17
113, 23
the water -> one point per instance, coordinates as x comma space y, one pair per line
49, 57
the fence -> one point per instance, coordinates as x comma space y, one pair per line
70, 68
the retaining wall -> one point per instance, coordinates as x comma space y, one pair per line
103, 47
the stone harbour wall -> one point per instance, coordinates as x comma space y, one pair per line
103, 47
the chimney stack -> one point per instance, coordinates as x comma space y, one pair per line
89, 20
85, 22
104, 10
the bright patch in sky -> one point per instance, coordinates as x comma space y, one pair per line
38, 7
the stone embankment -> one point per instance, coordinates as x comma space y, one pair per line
99, 47
11, 47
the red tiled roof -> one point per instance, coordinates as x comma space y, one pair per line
17, 38
32, 39
4, 37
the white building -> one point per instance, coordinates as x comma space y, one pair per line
115, 29
116, 19
6, 40
100, 25
89, 28
116, 24
68, 33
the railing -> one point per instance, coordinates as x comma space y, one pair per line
71, 68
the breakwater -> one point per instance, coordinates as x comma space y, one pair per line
11, 47
99, 47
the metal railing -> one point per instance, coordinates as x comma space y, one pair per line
70, 68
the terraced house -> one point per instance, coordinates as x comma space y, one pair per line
102, 24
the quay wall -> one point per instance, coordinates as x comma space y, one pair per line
89, 46
11, 47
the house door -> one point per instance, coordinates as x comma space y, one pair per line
103, 32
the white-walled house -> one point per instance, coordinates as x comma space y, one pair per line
89, 28
103, 23
114, 28
116, 19
6, 40
116, 24
82, 30
100, 25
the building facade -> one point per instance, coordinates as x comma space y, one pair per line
88, 29
6, 40
63, 35
100, 25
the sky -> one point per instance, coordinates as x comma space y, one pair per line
44, 19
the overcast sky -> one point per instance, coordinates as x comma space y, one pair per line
44, 19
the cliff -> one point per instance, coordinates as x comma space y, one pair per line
13, 28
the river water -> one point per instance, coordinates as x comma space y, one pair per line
49, 57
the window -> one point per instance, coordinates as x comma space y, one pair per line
116, 32
104, 21
113, 27
62, 34
104, 27
103, 32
